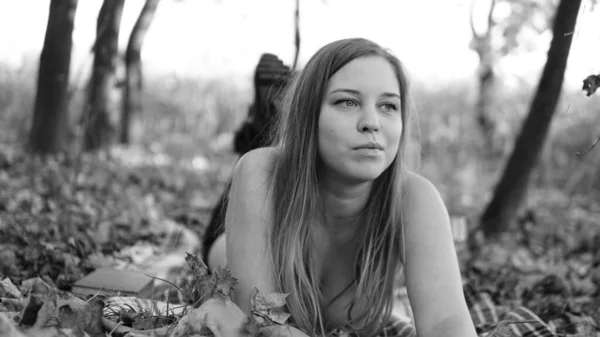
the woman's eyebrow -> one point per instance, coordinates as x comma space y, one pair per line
349, 91
390, 94
356, 92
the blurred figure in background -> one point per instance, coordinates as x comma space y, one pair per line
270, 77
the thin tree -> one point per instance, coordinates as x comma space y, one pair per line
49, 129
132, 95
296, 34
511, 189
502, 36
101, 116
481, 43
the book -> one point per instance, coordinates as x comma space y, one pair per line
114, 282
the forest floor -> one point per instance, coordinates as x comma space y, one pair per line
61, 218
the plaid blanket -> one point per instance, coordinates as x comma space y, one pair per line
489, 319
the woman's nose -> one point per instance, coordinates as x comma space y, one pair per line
369, 121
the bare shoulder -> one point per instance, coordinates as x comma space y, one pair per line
423, 206
256, 163
249, 194
247, 223
250, 182
420, 191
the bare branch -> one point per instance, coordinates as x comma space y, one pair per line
590, 148
297, 36
471, 15
490, 20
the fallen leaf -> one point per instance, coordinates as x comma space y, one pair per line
204, 288
32, 305
523, 260
144, 323
45, 314
8, 262
92, 317
197, 266
269, 301
8, 327
595, 274
581, 265
582, 286
267, 309
9, 290
583, 324
225, 282
11, 304
54, 332
81, 316
278, 317
67, 315
37, 286
103, 232
221, 316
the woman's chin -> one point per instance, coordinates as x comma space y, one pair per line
357, 173
366, 174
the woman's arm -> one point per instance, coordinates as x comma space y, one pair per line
433, 279
247, 222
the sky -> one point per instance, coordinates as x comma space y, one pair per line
224, 38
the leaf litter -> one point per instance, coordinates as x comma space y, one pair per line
61, 218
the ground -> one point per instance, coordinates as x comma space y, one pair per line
63, 217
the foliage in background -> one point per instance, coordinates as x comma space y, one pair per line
186, 115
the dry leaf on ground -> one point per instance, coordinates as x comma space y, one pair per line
268, 309
220, 316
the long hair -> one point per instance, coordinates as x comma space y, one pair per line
296, 200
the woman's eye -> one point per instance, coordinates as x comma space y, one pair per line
390, 107
347, 103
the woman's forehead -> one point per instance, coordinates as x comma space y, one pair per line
366, 74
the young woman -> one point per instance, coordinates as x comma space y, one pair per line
331, 215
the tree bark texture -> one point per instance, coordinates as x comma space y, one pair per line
512, 187
102, 116
132, 95
49, 129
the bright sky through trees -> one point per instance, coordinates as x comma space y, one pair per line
226, 37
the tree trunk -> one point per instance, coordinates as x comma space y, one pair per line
48, 133
510, 191
132, 96
486, 123
101, 120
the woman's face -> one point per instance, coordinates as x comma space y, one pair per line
360, 122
